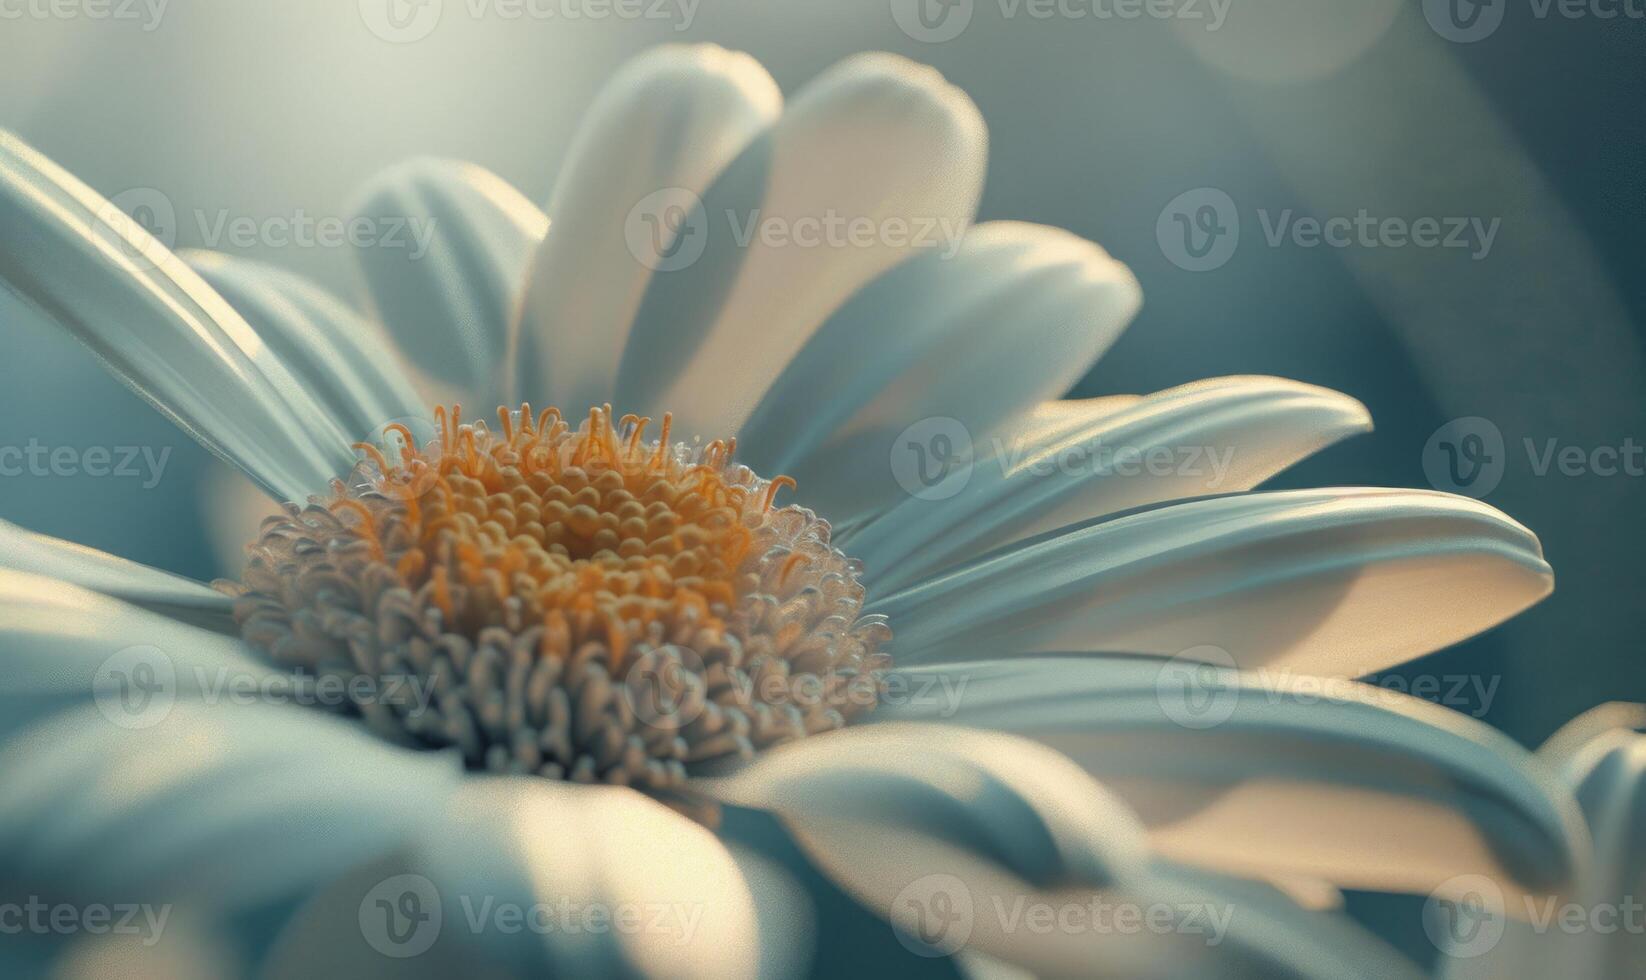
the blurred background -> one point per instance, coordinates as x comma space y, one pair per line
1187, 136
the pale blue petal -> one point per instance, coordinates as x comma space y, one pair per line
1212, 437
146, 758
1001, 799
153, 942
230, 803
1267, 935
1602, 756
877, 143
664, 127
99, 571
1338, 582
1275, 775
1013, 318
548, 850
61, 644
443, 269
966, 837
160, 328
345, 361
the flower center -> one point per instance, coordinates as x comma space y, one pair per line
579, 603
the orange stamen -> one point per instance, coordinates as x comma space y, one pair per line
408, 445
376, 456
442, 592
772, 488
524, 532
663, 440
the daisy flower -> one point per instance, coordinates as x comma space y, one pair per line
808, 534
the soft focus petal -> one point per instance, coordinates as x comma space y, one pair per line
529, 877
445, 286
1602, 755
877, 144
1015, 317
666, 124
140, 585
218, 803
1006, 800
157, 943
61, 644
159, 327
1268, 775
1338, 582
147, 759
976, 843
1212, 437
343, 360
1165, 922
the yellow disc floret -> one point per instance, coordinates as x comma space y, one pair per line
577, 602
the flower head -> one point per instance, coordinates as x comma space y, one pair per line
588, 604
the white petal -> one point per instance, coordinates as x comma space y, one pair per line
158, 327
446, 285
141, 761
1602, 756
1166, 922
99, 571
526, 841
1212, 437
1015, 317
1006, 800
57, 635
233, 803
668, 123
1068, 414
1339, 582
877, 144
61, 644
138, 762
175, 943
1046, 422
961, 837
1267, 935
1608, 772
1266, 775
344, 361
980, 966
1589, 743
